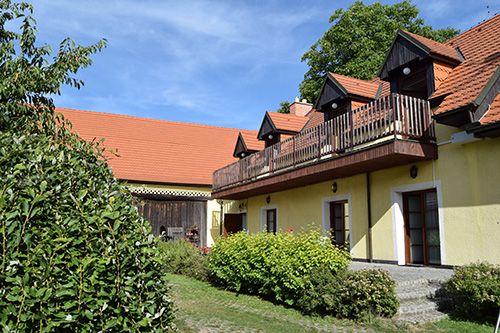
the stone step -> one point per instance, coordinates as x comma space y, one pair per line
421, 317
421, 300
419, 292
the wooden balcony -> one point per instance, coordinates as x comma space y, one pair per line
391, 131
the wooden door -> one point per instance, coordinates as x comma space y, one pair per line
178, 215
232, 224
339, 222
422, 228
271, 220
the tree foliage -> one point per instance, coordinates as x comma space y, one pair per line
358, 40
75, 254
284, 107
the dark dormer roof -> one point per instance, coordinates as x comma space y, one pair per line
338, 87
408, 47
247, 143
281, 123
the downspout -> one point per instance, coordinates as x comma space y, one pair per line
221, 215
368, 201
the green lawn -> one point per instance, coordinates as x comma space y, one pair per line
201, 308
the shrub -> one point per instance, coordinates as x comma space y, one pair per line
350, 294
475, 289
363, 292
76, 255
179, 257
273, 265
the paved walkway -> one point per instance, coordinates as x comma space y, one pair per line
408, 273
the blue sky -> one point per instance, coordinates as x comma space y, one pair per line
213, 62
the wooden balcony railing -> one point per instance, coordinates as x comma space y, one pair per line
394, 116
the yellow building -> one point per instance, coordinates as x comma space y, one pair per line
403, 168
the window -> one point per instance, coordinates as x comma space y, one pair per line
244, 225
271, 221
339, 222
269, 218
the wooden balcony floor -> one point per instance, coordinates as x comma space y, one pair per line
375, 157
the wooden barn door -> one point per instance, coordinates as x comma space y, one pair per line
179, 215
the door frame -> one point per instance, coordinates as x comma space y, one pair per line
325, 212
423, 228
263, 216
398, 226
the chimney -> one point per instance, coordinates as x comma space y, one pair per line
300, 108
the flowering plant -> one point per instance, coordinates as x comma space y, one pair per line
475, 288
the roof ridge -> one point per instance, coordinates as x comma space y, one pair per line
495, 16
152, 119
353, 78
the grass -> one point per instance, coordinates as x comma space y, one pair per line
202, 307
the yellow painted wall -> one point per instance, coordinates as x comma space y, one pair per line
468, 177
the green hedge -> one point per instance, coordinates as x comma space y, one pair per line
273, 265
475, 289
350, 294
75, 254
181, 258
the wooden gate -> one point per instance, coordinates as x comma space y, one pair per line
165, 214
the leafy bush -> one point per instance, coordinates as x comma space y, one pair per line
179, 257
75, 252
273, 265
475, 289
350, 294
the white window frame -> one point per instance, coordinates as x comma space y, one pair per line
325, 207
398, 231
263, 216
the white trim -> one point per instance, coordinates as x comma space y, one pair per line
325, 211
263, 216
241, 212
398, 232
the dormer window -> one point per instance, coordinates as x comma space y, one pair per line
279, 126
341, 94
412, 61
415, 83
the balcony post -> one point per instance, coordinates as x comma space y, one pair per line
351, 129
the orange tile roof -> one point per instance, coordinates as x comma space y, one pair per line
436, 47
251, 141
481, 49
315, 118
287, 122
156, 150
493, 115
357, 86
386, 86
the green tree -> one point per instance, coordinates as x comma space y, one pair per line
75, 254
358, 40
284, 107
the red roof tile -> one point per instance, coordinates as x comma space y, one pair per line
481, 49
436, 47
251, 141
356, 86
287, 122
157, 150
386, 86
315, 119
493, 115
